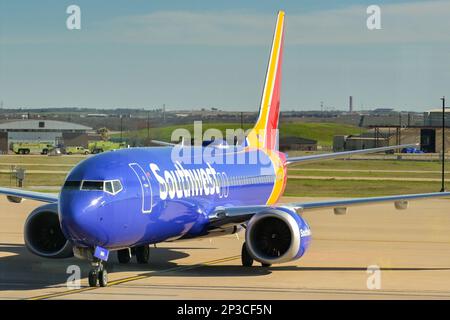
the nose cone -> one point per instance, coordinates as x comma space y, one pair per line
79, 216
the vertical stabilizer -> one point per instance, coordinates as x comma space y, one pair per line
265, 132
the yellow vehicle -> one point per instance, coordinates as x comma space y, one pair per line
31, 147
101, 146
77, 150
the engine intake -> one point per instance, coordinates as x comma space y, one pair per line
43, 235
277, 236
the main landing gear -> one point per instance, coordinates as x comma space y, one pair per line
124, 255
142, 254
247, 260
98, 274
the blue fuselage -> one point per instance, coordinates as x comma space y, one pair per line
141, 196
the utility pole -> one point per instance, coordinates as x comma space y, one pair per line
443, 146
164, 112
242, 120
148, 124
121, 127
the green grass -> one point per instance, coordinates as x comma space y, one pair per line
339, 188
38, 159
372, 174
33, 180
373, 164
322, 132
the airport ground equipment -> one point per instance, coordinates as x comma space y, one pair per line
102, 146
77, 150
31, 147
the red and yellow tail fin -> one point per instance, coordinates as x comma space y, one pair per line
265, 132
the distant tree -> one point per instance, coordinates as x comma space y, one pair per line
104, 133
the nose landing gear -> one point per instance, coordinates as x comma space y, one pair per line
98, 274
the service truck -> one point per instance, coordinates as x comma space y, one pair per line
77, 150
101, 146
31, 147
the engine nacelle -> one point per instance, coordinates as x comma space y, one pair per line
277, 235
43, 235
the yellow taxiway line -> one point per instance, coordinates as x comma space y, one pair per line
133, 278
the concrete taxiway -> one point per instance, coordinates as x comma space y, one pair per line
412, 249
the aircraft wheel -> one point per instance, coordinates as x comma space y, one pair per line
247, 260
142, 254
124, 255
93, 277
103, 278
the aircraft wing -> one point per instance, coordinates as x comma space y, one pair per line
223, 216
163, 143
16, 195
344, 154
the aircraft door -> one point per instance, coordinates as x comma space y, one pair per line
146, 188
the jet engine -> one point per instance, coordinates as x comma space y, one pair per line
43, 235
277, 235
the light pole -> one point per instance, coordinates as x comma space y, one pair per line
443, 145
148, 125
121, 127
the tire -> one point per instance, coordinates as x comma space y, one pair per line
124, 255
103, 278
86, 153
246, 259
27, 151
93, 277
45, 151
142, 254
21, 151
69, 153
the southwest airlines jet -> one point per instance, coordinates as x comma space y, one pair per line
127, 199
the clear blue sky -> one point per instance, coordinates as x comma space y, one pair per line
193, 54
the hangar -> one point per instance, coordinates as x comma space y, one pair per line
428, 137
49, 131
297, 143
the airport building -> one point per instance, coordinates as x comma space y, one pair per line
297, 143
48, 131
428, 138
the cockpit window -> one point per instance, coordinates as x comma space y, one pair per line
92, 185
110, 186
72, 185
117, 186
